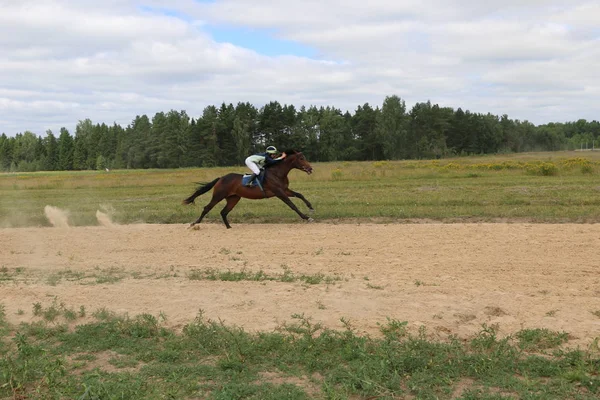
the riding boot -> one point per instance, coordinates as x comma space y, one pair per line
249, 184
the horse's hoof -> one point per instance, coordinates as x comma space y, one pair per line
310, 220
312, 210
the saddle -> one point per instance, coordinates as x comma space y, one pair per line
257, 181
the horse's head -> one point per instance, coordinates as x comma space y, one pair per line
297, 159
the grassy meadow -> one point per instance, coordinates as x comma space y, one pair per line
537, 187
117, 357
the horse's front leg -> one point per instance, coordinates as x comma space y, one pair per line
291, 193
283, 196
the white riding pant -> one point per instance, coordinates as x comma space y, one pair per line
253, 167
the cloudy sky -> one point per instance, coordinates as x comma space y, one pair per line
66, 60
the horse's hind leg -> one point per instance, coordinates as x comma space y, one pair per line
207, 208
231, 202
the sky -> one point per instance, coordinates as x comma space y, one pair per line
62, 61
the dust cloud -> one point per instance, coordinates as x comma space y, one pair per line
57, 217
104, 219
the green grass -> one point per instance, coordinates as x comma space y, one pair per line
115, 275
538, 187
116, 357
214, 274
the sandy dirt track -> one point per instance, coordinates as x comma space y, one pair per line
451, 278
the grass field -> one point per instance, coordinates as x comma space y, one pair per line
539, 187
142, 360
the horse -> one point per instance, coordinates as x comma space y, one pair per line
275, 184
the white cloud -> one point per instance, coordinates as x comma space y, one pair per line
66, 60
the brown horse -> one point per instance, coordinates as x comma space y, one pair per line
230, 187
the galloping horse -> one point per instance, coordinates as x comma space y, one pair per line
230, 188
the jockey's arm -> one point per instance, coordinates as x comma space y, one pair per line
270, 161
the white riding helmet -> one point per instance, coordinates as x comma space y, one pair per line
271, 150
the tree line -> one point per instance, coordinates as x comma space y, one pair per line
225, 135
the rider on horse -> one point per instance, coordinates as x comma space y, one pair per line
258, 161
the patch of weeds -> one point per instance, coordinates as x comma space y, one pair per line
376, 287
337, 174
596, 313
109, 275
53, 280
587, 169
137, 275
123, 362
37, 309
235, 276
394, 329
4, 275
259, 276
103, 314
421, 283
85, 357
494, 311
314, 279
3, 323
198, 275
464, 318
108, 279
540, 339
71, 276
53, 311
8, 274
288, 275
541, 168
100, 276
69, 315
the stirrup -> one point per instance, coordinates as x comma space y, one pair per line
252, 177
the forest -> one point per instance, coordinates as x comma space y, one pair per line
224, 135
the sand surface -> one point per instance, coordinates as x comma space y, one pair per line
451, 278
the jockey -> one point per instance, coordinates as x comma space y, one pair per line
258, 161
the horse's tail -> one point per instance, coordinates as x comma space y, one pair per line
201, 190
